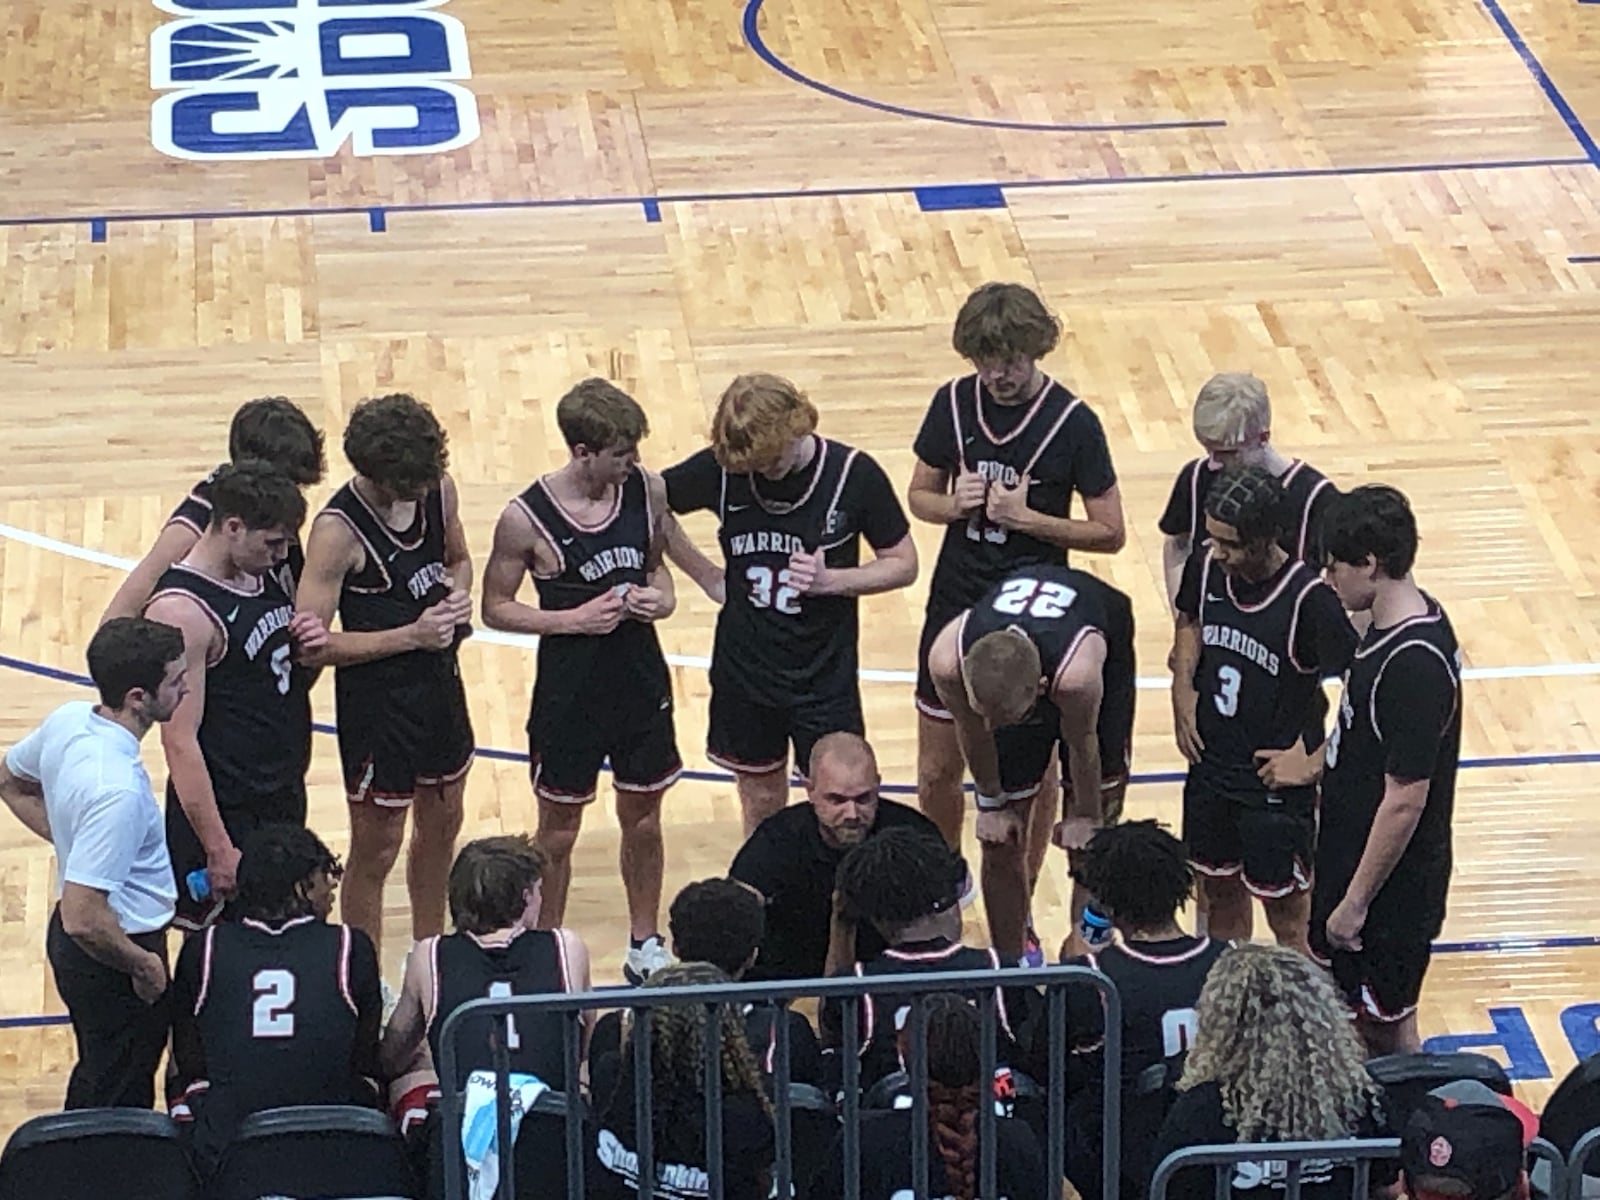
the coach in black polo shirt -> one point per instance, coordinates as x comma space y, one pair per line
793, 856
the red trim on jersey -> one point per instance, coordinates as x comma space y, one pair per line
1294, 624
369, 553
1159, 960
658, 785
433, 1009
1372, 697
1072, 650
1372, 1010
543, 531
1033, 409
277, 930
1051, 436
779, 508
441, 780
216, 621
833, 504
616, 508
743, 768
1216, 870
943, 715
1300, 883
561, 960
205, 970
222, 583
556, 795
1227, 582
420, 519
344, 969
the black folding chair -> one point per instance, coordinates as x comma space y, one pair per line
82, 1155
327, 1151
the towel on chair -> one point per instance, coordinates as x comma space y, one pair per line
480, 1129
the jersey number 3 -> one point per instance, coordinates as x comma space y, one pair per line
270, 1015
1227, 697
1036, 599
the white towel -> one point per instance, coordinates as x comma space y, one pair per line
480, 1128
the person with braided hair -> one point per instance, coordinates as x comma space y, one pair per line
955, 1090
1275, 1059
677, 1047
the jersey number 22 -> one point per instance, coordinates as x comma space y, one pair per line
1036, 599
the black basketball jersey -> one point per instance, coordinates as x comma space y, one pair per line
1255, 693
403, 575
277, 1014
1159, 983
1305, 491
774, 643
1057, 607
1420, 661
624, 666
256, 728
1008, 445
531, 964
194, 510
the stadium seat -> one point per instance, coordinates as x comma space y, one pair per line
813, 1125
331, 1152
1406, 1078
540, 1171
75, 1155
1572, 1111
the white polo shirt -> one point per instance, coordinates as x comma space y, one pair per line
108, 830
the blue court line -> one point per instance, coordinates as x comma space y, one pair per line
1586, 258
1506, 945
954, 197
1542, 78
1094, 181
752, 36
377, 220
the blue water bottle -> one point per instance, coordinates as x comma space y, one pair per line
199, 885
1094, 926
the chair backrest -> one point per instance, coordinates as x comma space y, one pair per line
1573, 1109
1406, 1078
813, 1126
329, 1151
72, 1155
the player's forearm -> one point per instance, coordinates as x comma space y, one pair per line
513, 616
26, 803
1174, 553
192, 781
708, 577
664, 582
131, 597
883, 574
983, 761
347, 649
1083, 774
1186, 646
459, 571
1396, 821
1070, 533
935, 508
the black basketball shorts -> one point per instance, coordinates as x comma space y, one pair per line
398, 733
749, 737
567, 746
1266, 842
287, 807
1382, 981
927, 696
1025, 750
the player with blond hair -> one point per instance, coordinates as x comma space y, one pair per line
793, 507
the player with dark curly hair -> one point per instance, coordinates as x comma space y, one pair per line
388, 554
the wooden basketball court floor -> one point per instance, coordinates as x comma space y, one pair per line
1389, 212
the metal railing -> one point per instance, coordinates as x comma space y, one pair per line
849, 993
1293, 1156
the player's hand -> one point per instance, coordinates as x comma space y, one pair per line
599, 616
150, 979
1292, 767
809, 574
307, 632
1344, 926
1074, 833
222, 869
646, 603
435, 629
969, 491
459, 601
1006, 506
1001, 826
1185, 722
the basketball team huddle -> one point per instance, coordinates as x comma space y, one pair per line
1026, 668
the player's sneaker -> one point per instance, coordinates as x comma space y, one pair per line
645, 959
1032, 950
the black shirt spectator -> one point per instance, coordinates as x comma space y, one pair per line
886, 1162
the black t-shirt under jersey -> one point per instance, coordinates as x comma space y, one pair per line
787, 861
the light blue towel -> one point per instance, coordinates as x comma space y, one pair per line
479, 1127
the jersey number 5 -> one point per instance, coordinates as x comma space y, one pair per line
1036, 599
270, 1015
763, 594
282, 667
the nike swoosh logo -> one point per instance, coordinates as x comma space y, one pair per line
1213, 599
233, 614
394, 555
737, 507
566, 541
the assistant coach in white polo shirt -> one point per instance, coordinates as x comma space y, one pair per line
77, 781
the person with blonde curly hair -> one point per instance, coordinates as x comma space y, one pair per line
793, 508
1275, 1059
677, 1035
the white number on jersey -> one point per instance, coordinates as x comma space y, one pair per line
500, 989
1227, 698
270, 1015
282, 667
1178, 1027
763, 594
1331, 759
1045, 600
979, 530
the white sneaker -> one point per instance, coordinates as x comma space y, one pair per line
645, 960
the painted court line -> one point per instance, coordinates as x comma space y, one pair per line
1149, 683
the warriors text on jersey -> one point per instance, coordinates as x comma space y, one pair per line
1265, 647
402, 576
1399, 715
773, 643
256, 727
624, 667
1053, 445
1306, 492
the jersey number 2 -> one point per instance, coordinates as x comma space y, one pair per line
1227, 697
500, 989
763, 594
281, 667
270, 1015
1046, 600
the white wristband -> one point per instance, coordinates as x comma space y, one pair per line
990, 803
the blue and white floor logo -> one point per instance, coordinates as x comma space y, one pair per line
250, 79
